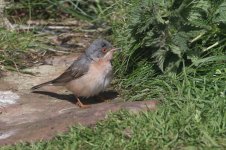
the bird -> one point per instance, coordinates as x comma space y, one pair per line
88, 75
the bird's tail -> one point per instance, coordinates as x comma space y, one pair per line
41, 85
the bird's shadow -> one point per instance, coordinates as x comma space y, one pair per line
106, 95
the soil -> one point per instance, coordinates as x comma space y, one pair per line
40, 115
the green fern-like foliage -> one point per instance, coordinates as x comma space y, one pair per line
174, 33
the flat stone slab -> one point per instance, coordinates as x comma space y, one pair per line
44, 114
43, 120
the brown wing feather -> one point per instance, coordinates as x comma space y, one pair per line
76, 70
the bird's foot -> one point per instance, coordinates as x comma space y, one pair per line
81, 105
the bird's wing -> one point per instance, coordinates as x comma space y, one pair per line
76, 70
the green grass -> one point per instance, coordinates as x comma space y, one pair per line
23, 10
19, 50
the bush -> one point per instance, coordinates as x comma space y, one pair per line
170, 34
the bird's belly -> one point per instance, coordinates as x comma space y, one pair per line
93, 82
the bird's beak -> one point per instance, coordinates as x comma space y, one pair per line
115, 49
109, 54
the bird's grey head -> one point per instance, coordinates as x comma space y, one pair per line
98, 48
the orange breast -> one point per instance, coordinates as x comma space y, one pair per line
94, 81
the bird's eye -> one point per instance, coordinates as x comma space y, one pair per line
104, 50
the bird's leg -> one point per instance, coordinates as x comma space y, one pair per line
80, 104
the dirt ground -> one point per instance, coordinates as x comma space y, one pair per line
31, 116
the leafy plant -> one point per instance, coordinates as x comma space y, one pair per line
171, 33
